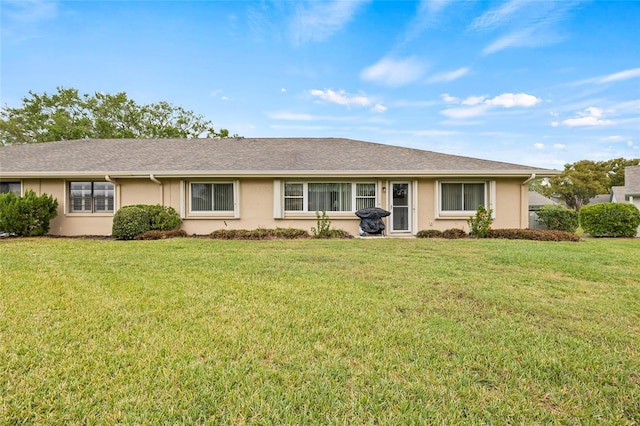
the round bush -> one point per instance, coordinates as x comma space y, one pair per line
129, 222
610, 220
162, 218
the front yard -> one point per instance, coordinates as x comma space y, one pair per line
201, 331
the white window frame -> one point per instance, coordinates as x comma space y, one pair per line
20, 190
305, 195
93, 210
488, 198
235, 213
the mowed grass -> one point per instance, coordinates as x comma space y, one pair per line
196, 331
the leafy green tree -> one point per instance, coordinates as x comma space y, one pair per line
67, 115
585, 179
615, 169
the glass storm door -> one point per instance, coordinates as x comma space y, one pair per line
400, 203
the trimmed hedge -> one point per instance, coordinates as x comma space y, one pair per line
259, 234
429, 233
27, 216
161, 235
454, 234
533, 234
558, 218
610, 220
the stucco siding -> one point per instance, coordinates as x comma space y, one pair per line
255, 206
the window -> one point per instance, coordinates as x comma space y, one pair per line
212, 197
329, 197
6, 187
91, 197
462, 196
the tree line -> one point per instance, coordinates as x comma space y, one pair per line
68, 115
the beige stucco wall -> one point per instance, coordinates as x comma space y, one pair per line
256, 206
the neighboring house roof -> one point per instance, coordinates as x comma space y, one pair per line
599, 199
537, 200
241, 157
617, 194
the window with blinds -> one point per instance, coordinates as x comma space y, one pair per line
328, 196
212, 197
462, 196
91, 197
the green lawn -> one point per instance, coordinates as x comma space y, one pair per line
381, 331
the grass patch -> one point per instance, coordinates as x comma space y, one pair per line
319, 331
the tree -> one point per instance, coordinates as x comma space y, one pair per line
615, 169
67, 115
585, 179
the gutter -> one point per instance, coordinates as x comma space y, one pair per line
532, 177
292, 173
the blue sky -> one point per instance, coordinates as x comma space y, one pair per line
541, 83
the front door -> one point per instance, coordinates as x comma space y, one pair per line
400, 206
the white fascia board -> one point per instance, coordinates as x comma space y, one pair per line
284, 173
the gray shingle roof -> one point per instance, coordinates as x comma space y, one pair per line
269, 156
538, 200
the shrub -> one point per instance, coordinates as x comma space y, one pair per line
259, 234
454, 233
610, 220
129, 222
429, 233
533, 234
324, 226
481, 222
27, 216
161, 235
161, 218
558, 218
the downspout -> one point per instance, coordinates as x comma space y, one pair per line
532, 177
524, 217
154, 180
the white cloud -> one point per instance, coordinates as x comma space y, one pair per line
427, 15
509, 100
460, 113
591, 116
473, 100
449, 76
523, 23
479, 105
448, 98
394, 73
497, 16
283, 90
343, 98
611, 78
538, 145
317, 21
559, 146
622, 75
